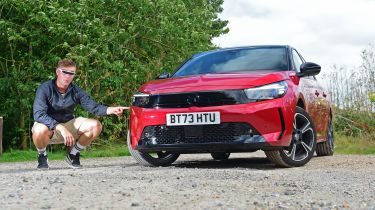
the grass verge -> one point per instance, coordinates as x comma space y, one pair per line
354, 145
30, 155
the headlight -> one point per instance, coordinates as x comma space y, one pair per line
141, 99
271, 91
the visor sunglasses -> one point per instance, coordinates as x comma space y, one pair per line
67, 72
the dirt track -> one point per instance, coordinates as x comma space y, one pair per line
246, 181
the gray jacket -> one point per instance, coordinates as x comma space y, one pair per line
51, 107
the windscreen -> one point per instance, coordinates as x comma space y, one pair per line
235, 60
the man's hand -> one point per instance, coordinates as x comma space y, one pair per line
68, 137
118, 110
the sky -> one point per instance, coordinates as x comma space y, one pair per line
327, 32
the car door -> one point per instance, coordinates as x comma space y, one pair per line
320, 106
324, 107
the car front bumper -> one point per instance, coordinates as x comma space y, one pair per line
270, 125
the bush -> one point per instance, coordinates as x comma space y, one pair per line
352, 123
117, 45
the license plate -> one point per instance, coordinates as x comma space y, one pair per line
193, 118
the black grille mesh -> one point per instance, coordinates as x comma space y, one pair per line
221, 133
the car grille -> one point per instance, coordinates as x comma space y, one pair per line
198, 99
221, 133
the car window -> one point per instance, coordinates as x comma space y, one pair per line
236, 60
297, 60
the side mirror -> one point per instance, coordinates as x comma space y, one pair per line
164, 75
309, 69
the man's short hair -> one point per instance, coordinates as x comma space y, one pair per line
66, 63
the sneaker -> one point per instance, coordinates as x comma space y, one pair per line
42, 161
73, 160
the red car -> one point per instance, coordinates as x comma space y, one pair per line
234, 100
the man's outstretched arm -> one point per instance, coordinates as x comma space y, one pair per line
117, 110
91, 106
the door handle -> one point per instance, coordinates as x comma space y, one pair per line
316, 93
324, 94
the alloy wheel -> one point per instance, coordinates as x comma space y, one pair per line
303, 138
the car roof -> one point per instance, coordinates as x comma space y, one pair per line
239, 48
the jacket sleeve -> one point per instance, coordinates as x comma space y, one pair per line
90, 105
40, 108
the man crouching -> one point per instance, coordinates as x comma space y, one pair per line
55, 123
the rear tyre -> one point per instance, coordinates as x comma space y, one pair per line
327, 147
152, 159
220, 155
302, 146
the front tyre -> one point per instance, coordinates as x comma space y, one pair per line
326, 148
302, 146
152, 159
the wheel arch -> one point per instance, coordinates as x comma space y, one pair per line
301, 103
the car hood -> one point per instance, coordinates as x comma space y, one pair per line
210, 82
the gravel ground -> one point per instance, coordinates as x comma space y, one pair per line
246, 181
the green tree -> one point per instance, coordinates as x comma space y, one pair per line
118, 45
